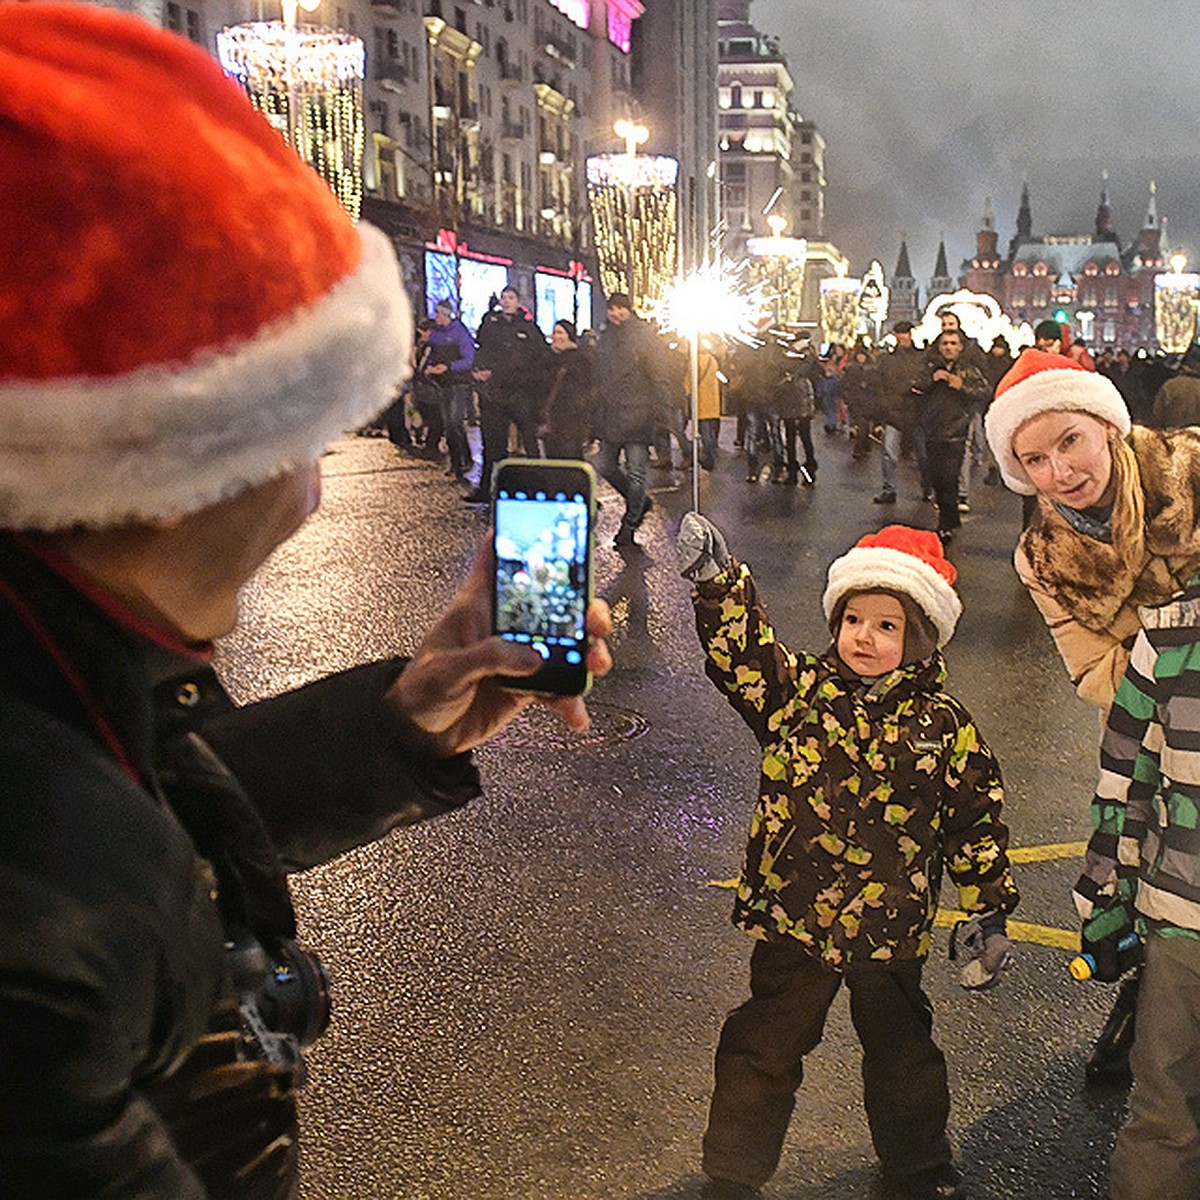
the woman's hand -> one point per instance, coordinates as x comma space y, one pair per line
446, 699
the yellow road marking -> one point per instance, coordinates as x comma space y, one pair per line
1019, 931
1046, 853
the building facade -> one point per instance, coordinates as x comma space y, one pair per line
675, 83
772, 161
479, 116
1103, 289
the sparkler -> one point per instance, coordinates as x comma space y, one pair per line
715, 300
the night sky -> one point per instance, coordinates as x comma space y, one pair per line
928, 108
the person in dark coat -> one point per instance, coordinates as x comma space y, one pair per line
565, 423
895, 405
633, 382
1178, 401
858, 391
948, 394
148, 823
508, 367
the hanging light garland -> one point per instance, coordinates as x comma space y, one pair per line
633, 204
307, 81
1176, 294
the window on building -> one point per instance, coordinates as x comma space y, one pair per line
758, 100
806, 214
181, 19
735, 96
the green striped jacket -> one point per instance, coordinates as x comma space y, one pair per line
1146, 810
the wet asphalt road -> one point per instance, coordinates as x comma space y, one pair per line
528, 993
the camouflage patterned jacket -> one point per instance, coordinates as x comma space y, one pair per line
863, 794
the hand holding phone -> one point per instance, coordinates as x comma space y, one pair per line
543, 519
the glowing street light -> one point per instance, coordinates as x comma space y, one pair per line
632, 198
632, 134
307, 81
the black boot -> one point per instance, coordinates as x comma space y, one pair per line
935, 1183
1109, 1061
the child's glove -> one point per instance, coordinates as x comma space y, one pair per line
986, 947
701, 548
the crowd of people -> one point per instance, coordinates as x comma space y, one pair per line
623, 395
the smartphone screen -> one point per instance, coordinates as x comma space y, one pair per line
542, 541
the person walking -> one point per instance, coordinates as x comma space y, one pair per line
508, 371
858, 392
565, 421
948, 393
447, 367
708, 404
898, 372
796, 404
633, 382
840, 880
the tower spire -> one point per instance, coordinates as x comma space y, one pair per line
1106, 230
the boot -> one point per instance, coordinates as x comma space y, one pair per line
934, 1183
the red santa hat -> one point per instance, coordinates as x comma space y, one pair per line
185, 308
899, 559
1041, 382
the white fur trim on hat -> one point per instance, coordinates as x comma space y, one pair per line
872, 568
163, 441
1067, 389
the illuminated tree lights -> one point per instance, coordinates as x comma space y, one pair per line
1176, 295
839, 309
633, 205
307, 81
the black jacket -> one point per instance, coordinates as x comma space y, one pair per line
515, 352
145, 821
944, 412
634, 382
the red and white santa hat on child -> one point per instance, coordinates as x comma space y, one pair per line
899, 559
185, 309
1041, 382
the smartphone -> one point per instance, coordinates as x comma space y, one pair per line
543, 516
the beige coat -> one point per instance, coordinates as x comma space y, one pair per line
709, 390
1088, 591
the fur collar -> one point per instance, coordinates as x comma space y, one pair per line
1156, 542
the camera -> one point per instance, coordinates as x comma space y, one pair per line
283, 997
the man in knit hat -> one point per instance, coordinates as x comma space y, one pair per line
872, 779
186, 318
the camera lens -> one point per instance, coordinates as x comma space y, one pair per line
295, 995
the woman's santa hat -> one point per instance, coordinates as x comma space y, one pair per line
899, 559
185, 309
1040, 382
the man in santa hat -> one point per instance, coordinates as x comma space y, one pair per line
187, 317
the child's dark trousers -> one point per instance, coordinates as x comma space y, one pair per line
760, 1063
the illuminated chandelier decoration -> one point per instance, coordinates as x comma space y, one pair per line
839, 309
307, 81
633, 203
1176, 296
777, 264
